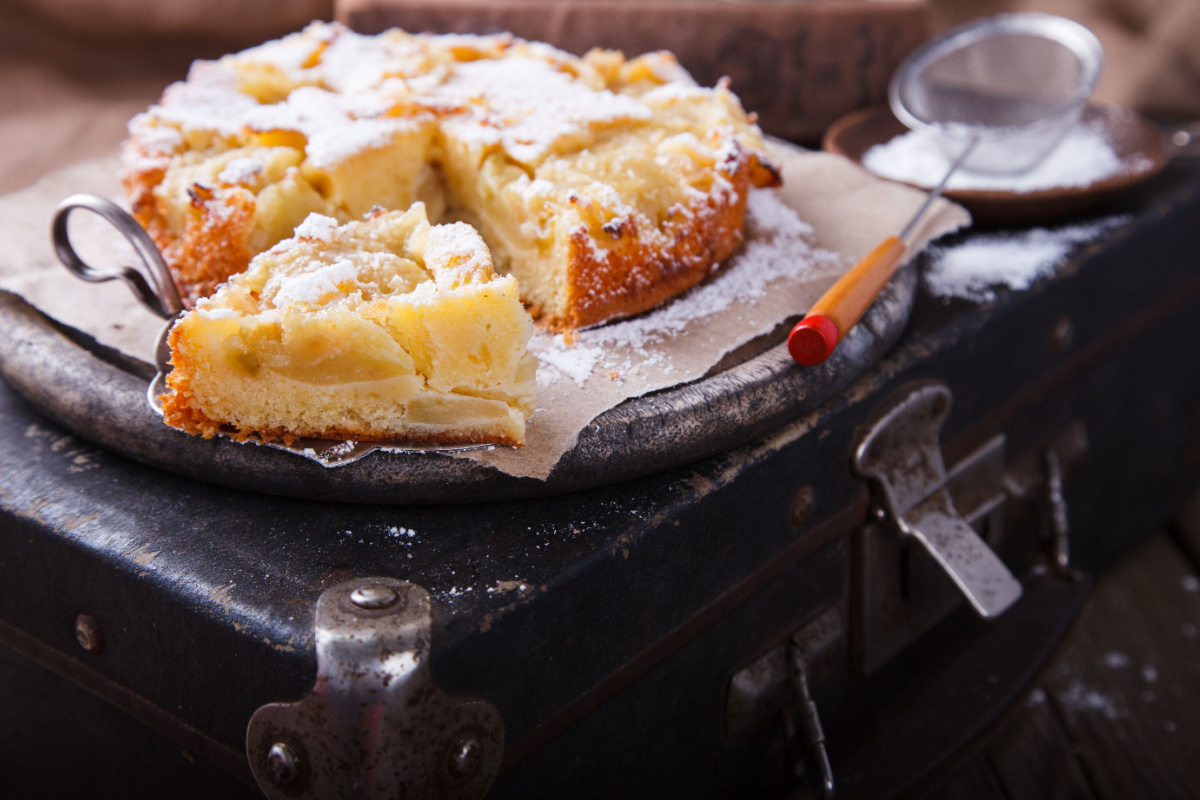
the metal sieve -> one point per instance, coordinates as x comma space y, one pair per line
997, 95
1000, 93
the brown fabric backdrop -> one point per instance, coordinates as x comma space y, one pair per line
73, 71
1152, 47
66, 96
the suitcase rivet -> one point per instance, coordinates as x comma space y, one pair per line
801, 510
1062, 335
373, 596
282, 761
465, 757
87, 633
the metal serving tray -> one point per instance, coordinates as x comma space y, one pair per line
101, 396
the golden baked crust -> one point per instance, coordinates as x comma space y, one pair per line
604, 185
631, 275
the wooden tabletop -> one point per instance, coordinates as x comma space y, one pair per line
1116, 714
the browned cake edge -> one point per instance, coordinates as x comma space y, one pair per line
215, 242
635, 276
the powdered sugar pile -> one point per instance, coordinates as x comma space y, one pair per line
559, 359
317, 227
972, 270
1083, 157
778, 246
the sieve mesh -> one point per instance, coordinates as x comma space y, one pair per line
1007, 88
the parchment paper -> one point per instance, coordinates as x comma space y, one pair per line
782, 269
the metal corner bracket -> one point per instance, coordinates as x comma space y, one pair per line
375, 725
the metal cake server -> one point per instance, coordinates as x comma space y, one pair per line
152, 284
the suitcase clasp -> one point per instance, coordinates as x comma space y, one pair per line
902, 456
375, 724
774, 690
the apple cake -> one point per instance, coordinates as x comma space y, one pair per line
384, 329
604, 185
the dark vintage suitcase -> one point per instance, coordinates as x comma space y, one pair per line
212, 620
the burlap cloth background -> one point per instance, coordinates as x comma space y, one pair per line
73, 71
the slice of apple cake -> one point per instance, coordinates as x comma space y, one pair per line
384, 329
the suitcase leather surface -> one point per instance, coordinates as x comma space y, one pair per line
605, 625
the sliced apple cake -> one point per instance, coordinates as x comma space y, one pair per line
604, 185
385, 329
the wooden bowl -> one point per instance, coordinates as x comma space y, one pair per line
1142, 147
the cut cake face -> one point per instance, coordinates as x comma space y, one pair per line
386, 329
603, 185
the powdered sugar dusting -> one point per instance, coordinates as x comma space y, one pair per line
317, 286
158, 140
288, 54
1078, 697
209, 100
672, 92
767, 214
348, 92
777, 247
456, 255
216, 313
527, 107
317, 227
240, 170
972, 270
573, 360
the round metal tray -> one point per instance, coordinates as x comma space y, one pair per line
100, 395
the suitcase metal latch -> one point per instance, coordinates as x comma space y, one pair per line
901, 454
775, 689
375, 725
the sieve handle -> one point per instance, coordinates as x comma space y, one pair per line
842, 306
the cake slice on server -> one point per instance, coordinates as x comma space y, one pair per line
385, 329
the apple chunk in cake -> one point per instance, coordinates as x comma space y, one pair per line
386, 329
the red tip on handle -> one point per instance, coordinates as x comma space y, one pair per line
812, 340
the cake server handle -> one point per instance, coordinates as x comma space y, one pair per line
151, 283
